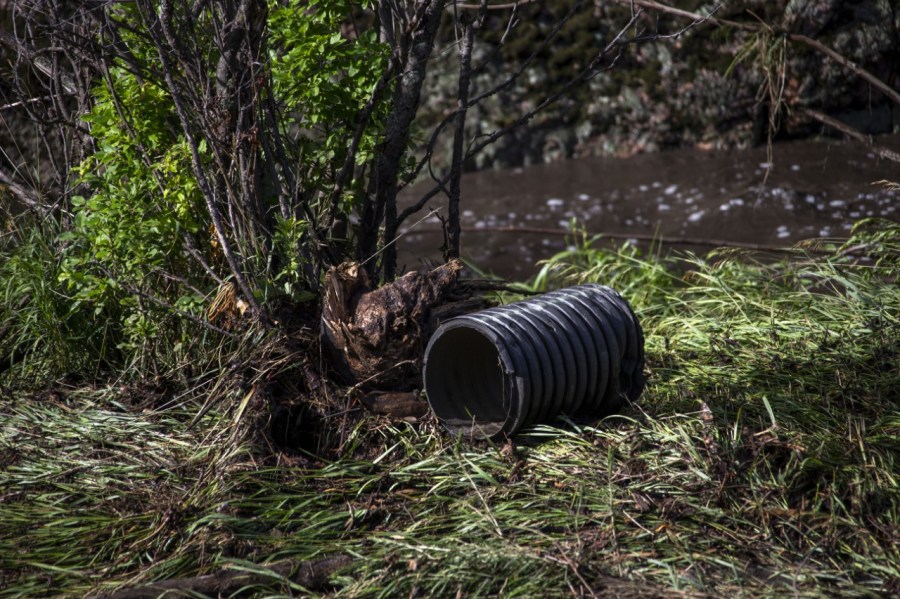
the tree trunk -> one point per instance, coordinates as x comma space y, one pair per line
405, 103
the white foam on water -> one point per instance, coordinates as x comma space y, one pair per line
696, 216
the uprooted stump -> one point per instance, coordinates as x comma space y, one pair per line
378, 336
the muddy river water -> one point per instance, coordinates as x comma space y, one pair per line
808, 189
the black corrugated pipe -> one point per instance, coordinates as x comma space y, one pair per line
577, 351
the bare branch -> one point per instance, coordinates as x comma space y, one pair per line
848, 64
164, 39
456, 167
504, 6
364, 118
505, 84
419, 39
26, 196
851, 132
816, 45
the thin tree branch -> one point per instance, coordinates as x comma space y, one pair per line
364, 118
456, 167
505, 84
851, 132
26, 196
797, 37
504, 6
163, 39
848, 64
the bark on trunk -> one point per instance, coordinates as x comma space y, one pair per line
383, 206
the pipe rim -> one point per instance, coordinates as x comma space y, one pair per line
512, 386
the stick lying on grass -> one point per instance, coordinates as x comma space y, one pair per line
311, 575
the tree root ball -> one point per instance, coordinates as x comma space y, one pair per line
379, 335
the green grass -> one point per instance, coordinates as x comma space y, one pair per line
762, 460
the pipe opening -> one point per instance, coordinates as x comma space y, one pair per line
464, 382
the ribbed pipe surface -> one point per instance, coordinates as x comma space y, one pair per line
577, 351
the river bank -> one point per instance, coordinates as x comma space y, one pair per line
760, 460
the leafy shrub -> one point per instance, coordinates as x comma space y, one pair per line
126, 242
140, 254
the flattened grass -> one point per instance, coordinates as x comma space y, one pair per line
761, 461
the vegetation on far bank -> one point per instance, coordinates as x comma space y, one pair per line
761, 461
